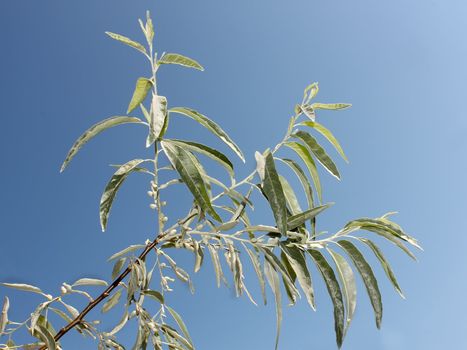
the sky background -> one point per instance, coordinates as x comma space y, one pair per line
400, 63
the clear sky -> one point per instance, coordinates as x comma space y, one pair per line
402, 64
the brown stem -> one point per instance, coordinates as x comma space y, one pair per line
105, 293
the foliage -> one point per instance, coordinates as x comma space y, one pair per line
217, 223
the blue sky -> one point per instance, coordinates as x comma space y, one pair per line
402, 66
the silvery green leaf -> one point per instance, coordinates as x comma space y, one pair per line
44, 335
226, 226
127, 250
89, 282
368, 278
334, 291
112, 188
113, 300
319, 152
23, 287
180, 324
118, 267
175, 58
384, 263
211, 126
349, 287
149, 28
298, 219
176, 336
328, 135
4, 315
127, 41
73, 312
143, 86
331, 106
254, 257
61, 314
120, 324
158, 119
298, 262
260, 165
42, 321
95, 130
273, 281
303, 179
199, 255
290, 196
273, 190
393, 239
217, 265
308, 111
310, 92
191, 176
207, 151
154, 294
305, 155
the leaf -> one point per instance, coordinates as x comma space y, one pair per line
23, 287
112, 188
310, 92
260, 164
113, 300
349, 287
298, 219
158, 119
129, 249
207, 151
290, 196
127, 41
298, 262
118, 267
217, 265
334, 291
180, 323
331, 106
273, 190
190, 175
319, 152
61, 314
273, 281
211, 126
254, 257
95, 130
199, 255
328, 135
149, 28
368, 277
174, 334
308, 111
302, 177
90, 282
143, 86
4, 315
175, 58
305, 155
46, 337
154, 294
384, 264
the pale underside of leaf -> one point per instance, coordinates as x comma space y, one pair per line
254, 257
89, 282
113, 300
95, 130
127, 41
273, 281
23, 287
175, 58
158, 119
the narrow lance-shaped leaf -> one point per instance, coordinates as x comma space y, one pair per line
298, 263
298, 219
89, 282
349, 287
384, 263
95, 130
127, 250
23, 287
4, 315
368, 277
305, 155
290, 196
158, 119
113, 300
143, 85
319, 152
273, 190
180, 323
254, 257
207, 151
44, 335
334, 291
328, 135
127, 41
211, 126
112, 188
302, 177
331, 106
175, 58
273, 281
154, 294
190, 174
217, 265
310, 92
308, 111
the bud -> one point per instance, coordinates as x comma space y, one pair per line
172, 231
165, 219
63, 290
163, 203
152, 206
